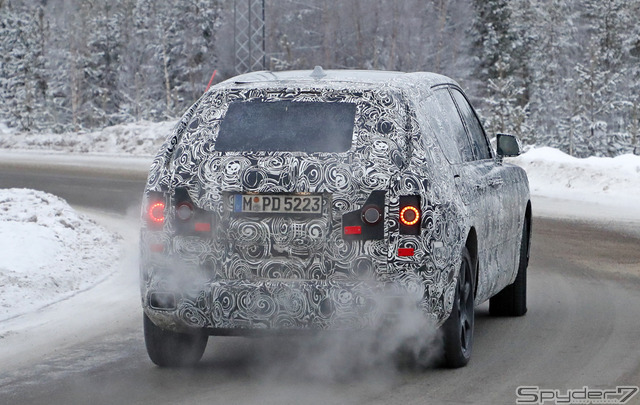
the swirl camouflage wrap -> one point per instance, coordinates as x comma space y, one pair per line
299, 226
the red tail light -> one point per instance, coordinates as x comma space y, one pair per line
156, 213
409, 215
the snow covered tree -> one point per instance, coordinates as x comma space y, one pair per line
564, 73
595, 83
633, 79
102, 63
181, 46
553, 52
493, 39
23, 81
502, 38
503, 113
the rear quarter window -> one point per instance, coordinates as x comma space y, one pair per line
479, 142
443, 117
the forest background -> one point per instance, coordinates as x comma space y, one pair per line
560, 73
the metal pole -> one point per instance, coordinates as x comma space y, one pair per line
264, 36
249, 35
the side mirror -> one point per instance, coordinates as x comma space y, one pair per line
507, 145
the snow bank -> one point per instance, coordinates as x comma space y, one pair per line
601, 191
614, 182
140, 138
49, 252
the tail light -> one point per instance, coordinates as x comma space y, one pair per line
155, 209
404, 252
156, 212
410, 215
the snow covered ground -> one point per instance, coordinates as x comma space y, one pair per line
141, 138
51, 252
601, 190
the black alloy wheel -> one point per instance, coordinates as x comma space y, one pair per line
458, 329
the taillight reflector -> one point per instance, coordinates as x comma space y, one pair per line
352, 230
156, 212
157, 248
202, 227
406, 251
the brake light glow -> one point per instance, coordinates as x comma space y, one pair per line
409, 215
156, 212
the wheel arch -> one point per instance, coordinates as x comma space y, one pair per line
529, 219
472, 246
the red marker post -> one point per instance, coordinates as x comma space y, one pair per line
211, 80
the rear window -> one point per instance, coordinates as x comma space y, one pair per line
290, 126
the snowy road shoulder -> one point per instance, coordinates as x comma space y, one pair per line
49, 251
603, 191
609, 181
86, 316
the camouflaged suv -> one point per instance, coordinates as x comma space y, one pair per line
315, 199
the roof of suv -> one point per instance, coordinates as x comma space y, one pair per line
325, 77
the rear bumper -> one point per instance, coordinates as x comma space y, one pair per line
239, 306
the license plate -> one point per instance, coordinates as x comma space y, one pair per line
277, 204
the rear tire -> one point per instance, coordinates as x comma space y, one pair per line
512, 300
172, 349
458, 328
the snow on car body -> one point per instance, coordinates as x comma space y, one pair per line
299, 200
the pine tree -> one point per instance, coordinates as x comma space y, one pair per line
631, 84
596, 78
183, 46
553, 54
102, 63
504, 112
493, 39
23, 82
502, 45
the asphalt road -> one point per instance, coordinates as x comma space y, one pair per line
582, 329
94, 183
